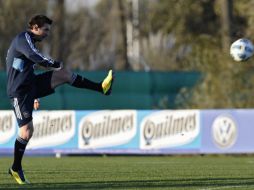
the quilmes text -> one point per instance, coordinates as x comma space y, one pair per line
108, 126
170, 125
52, 125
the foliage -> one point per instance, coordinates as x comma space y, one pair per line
13, 17
175, 35
192, 32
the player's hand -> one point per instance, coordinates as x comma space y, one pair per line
107, 83
56, 66
36, 104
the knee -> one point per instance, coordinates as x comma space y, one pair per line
26, 135
26, 131
67, 74
64, 75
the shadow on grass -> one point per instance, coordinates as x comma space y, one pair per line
140, 184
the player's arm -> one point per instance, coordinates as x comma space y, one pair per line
27, 48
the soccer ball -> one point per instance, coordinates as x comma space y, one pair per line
242, 49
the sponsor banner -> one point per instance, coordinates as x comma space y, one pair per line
7, 126
170, 129
52, 128
102, 129
134, 132
109, 131
227, 131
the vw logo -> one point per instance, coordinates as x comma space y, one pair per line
224, 131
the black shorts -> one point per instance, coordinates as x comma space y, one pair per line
23, 105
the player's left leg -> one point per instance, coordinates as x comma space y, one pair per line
23, 107
66, 76
16, 171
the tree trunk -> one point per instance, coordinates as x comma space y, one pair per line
226, 22
57, 50
123, 33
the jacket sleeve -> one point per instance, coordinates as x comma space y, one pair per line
25, 46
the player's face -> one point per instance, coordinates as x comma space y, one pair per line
41, 32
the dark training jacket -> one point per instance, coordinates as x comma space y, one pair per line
21, 57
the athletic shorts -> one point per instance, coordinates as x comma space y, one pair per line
23, 105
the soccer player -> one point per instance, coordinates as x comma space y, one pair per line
23, 86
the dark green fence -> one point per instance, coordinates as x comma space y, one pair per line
132, 90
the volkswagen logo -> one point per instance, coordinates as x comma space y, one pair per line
224, 131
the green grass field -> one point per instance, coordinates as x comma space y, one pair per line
134, 172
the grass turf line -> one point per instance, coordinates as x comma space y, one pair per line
133, 172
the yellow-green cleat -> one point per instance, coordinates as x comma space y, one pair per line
107, 83
19, 176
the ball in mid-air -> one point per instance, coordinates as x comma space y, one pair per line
242, 49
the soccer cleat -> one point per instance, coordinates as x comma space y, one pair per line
107, 83
19, 176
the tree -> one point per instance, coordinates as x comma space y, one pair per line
123, 20
57, 45
226, 20
226, 84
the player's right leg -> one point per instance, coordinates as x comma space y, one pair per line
66, 76
23, 107
48, 81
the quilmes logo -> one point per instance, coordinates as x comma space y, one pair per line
52, 128
224, 131
7, 126
166, 129
107, 128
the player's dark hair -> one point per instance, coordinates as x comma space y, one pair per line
40, 20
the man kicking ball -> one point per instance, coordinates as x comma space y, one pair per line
23, 86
